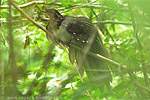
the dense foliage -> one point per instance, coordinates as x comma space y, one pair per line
33, 68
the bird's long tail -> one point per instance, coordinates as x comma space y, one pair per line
97, 70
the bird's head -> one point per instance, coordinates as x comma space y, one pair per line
52, 13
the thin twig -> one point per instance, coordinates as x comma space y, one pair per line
119, 22
115, 22
83, 12
15, 21
33, 3
74, 12
77, 6
3, 36
25, 5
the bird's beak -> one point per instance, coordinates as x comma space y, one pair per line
46, 12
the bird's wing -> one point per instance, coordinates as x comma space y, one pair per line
86, 38
85, 35
54, 39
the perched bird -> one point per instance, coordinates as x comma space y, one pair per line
80, 37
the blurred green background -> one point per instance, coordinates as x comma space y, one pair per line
42, 70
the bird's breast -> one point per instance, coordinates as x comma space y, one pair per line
61, 32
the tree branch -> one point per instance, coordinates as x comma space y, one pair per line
12, 59
52, 36
29, 18
33, 3
25, 5
90, 53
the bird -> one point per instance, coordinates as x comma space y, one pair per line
80, 37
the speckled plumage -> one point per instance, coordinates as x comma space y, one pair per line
80, 32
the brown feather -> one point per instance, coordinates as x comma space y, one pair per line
80, 32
